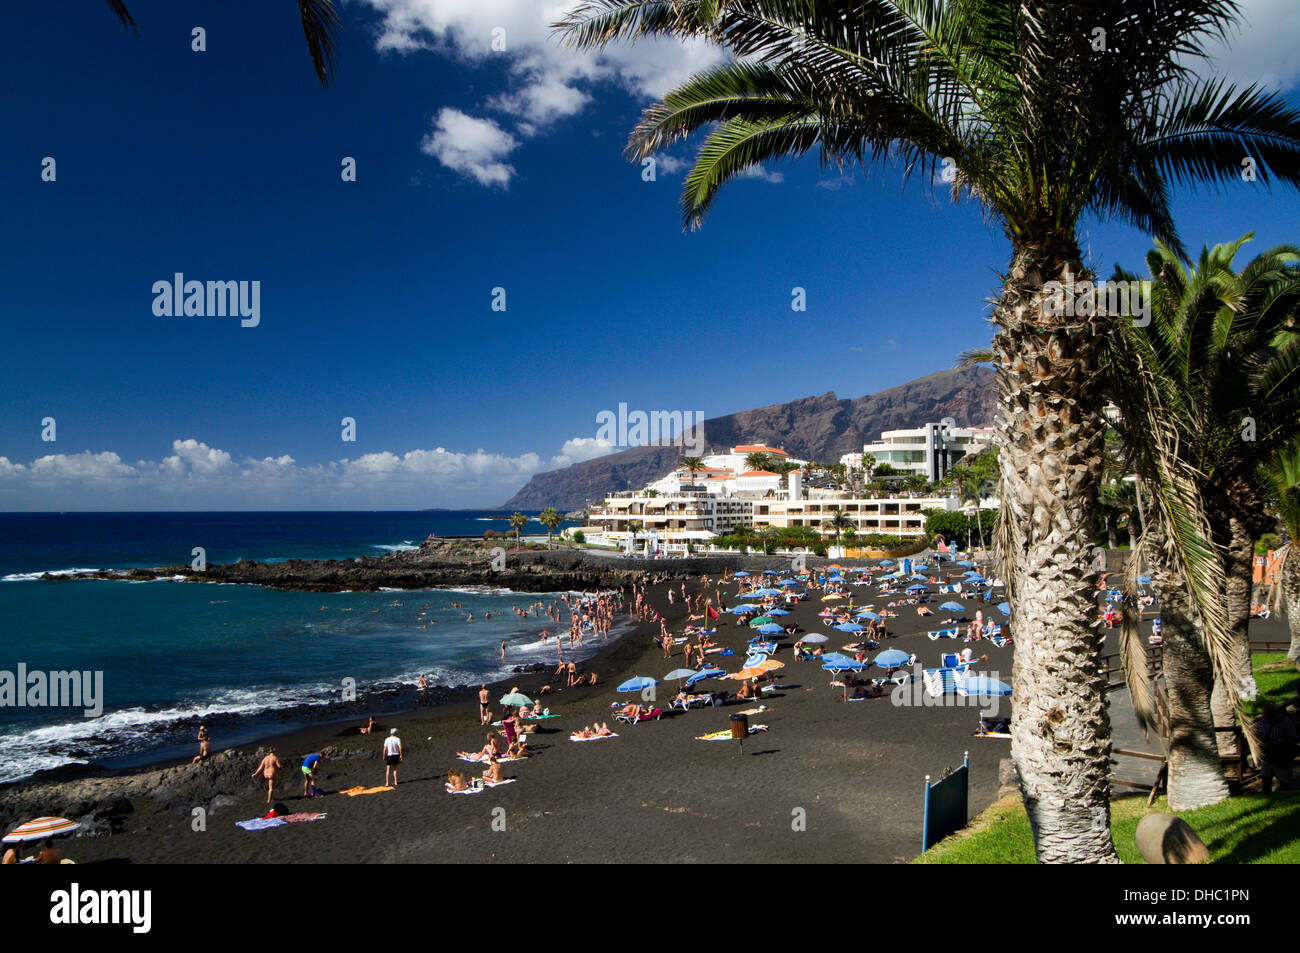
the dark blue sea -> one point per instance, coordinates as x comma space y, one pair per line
171, 650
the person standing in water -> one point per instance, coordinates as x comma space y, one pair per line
503, 650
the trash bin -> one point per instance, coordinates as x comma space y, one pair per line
740, 726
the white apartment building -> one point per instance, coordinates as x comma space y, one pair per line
898, 515
929, 451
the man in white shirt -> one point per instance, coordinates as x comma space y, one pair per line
392, 757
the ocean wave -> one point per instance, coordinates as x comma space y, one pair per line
32, 576
405, 546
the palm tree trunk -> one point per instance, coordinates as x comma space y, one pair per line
1291, 593
1112, 529
1239, 566
1051, 437
1195, 772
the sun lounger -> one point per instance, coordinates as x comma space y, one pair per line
936, 634
1001, 641
698, 701
654, 714
949, 660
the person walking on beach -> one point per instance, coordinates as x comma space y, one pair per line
309, 765
392, 756
484, 712
267, 768
205, 745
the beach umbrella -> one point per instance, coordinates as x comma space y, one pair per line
1004, 608
679, 673
768, 592
703, 674
886, 562
745, 673
1144, 580
742, 609
919, 578
953, 607
640, 683
815, 638
516, 699
981, 685
864, 614
770, 572
891, 658
850, 627
787, 583
755, 622
40, 829
964, 562
916, 588
778, 612
770, 628
768, 665
740, 575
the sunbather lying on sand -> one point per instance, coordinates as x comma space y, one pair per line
496, 747
598, 730
633, 711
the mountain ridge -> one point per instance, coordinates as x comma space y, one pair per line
820, 428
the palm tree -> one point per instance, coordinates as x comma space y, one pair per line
840, 522
634, 527
1221, 349
692, 464
1021, 110
518, 520
758, 461
550, 518
1284, 474
320, 24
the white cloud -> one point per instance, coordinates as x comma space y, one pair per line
197, 476
1263, 50
580, 449
762, 174
470, 146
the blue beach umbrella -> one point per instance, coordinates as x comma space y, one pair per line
953, 607
815, 638
777, 612
703, 674
1004, 608
768, 592
640, 683
964, 562
981, 685
919, 578
787, 583
742, 609
770, 572
850, 627
916, 588
976, 580
771, 628
680, 673
838, 661
740, 575
864, 614
886, 562
891, 658
1144, 580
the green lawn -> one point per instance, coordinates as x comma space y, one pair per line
1250, 829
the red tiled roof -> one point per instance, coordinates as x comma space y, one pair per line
760, 473
759, 448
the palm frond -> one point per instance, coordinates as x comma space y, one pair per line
320, 25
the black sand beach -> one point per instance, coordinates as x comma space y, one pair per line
831, 781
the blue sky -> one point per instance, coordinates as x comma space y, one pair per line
476, 169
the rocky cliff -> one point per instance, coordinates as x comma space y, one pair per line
811, 428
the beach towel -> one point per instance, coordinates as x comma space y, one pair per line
359, 790
260, 823
725, 734
301, 818
481, 761
487, 784
597, 738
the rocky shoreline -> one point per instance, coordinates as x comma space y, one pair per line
445, 563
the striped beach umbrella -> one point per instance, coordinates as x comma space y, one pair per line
40, 829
